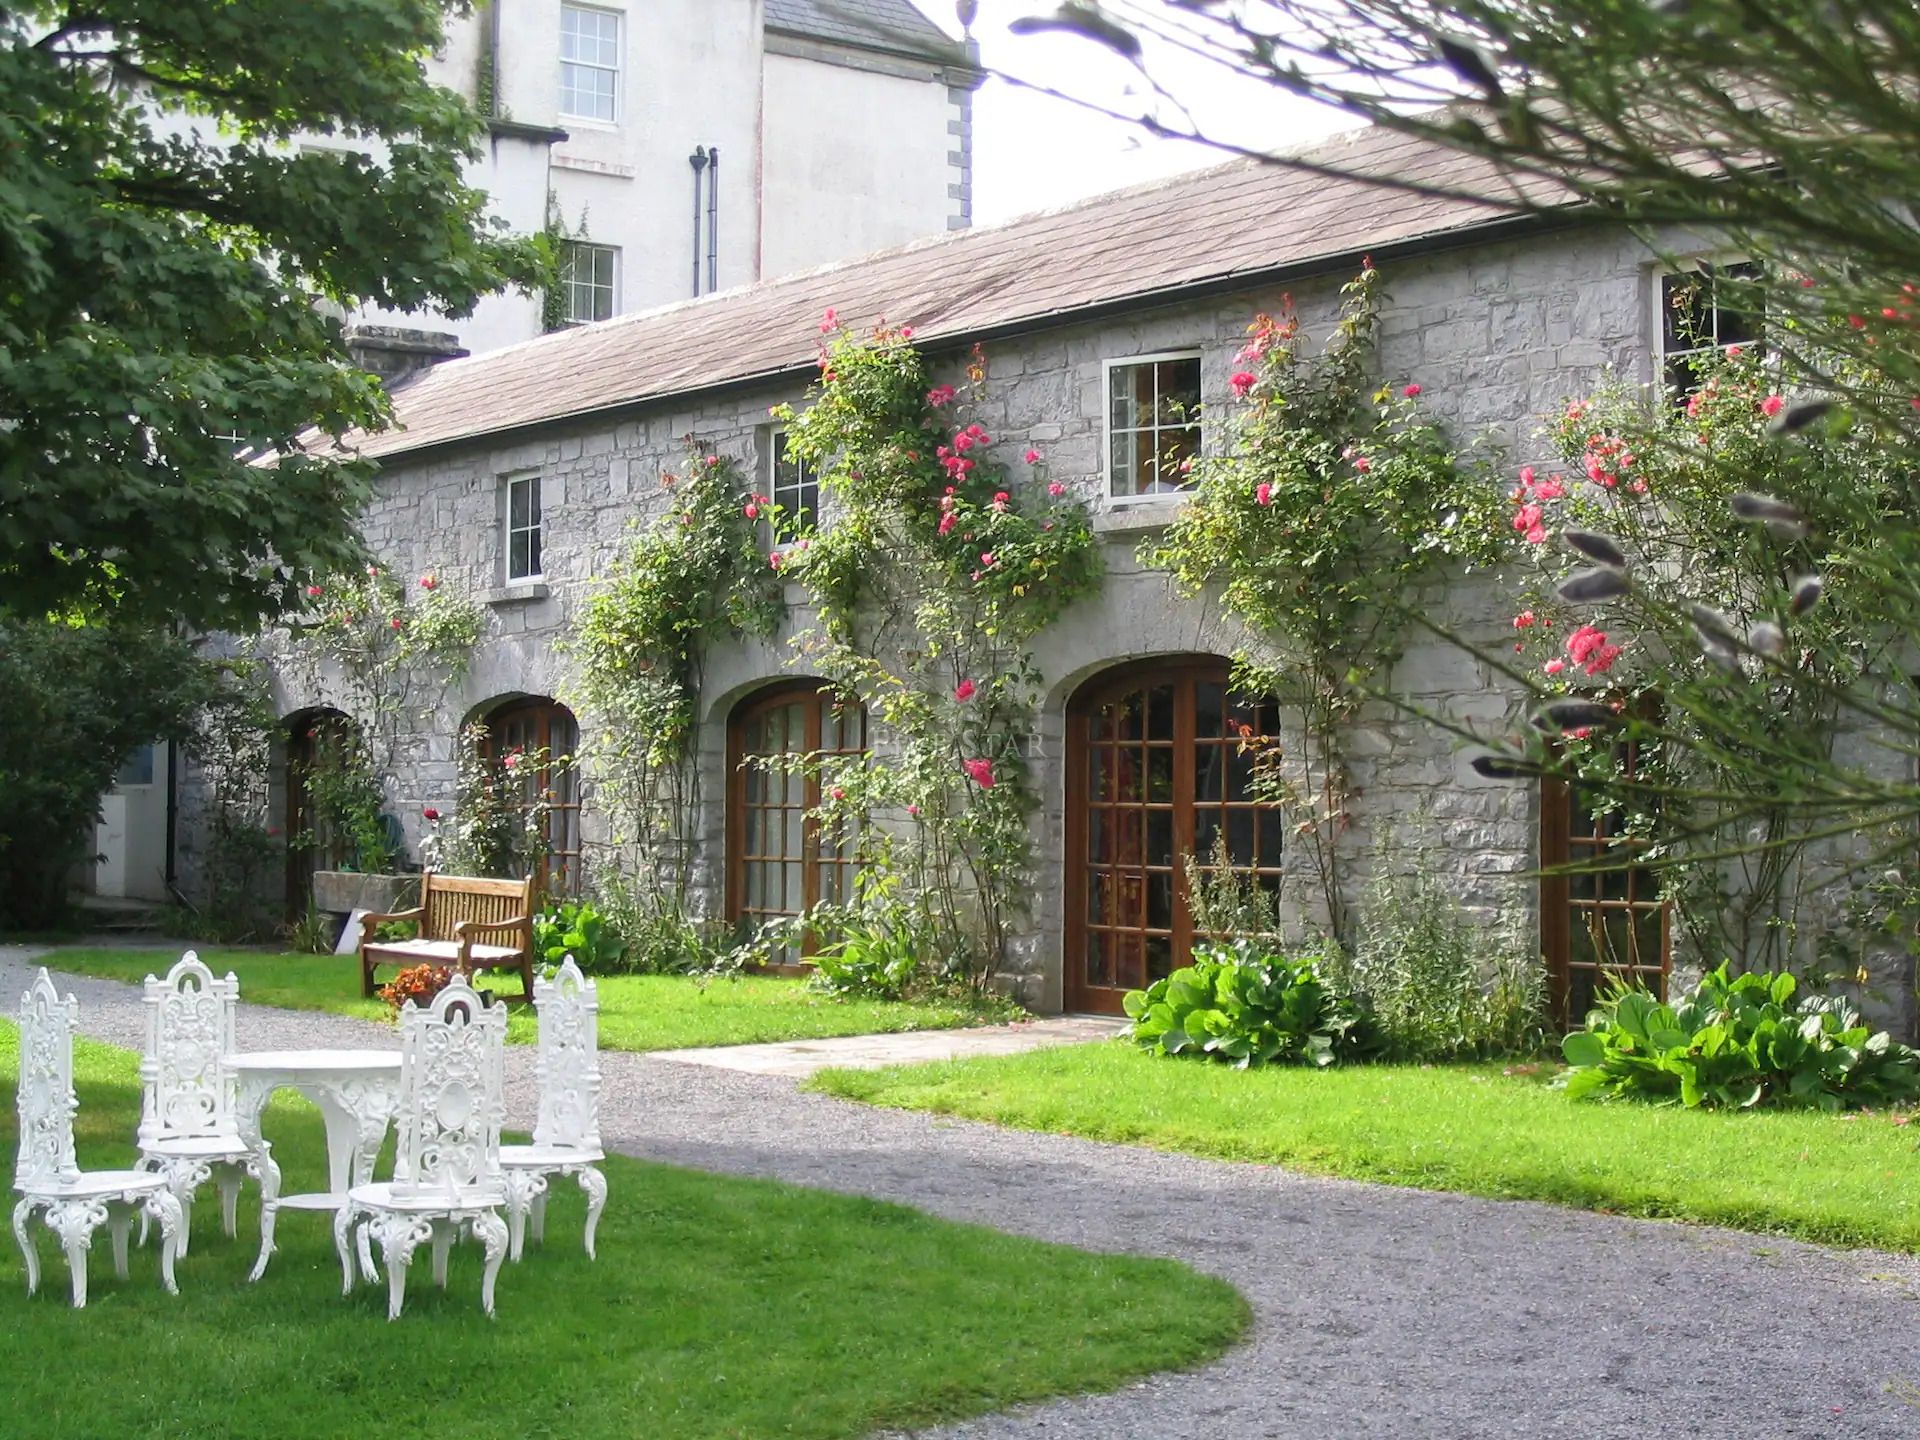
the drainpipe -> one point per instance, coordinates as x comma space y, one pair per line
173, 813
713, 218
698, 160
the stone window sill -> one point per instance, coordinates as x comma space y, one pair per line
519, 592
1139, 516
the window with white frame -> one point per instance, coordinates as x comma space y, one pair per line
792, 483
523, 527
1153, 423
589, 63
590, 274
1702, 312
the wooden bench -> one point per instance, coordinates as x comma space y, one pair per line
453, 911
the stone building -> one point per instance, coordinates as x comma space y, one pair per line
519, 475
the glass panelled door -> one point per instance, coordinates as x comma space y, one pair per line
782, 860
1601, 916
1160, 767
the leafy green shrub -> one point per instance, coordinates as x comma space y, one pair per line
1246, 1006
1440, 984
870, 960
1740, 1041
576, 928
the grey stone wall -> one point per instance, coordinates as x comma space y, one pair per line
1496, 336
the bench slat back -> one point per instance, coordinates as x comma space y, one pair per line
450, 900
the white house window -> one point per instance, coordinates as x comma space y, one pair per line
136, 769
792, 483
589, 63
523, 527
1700, 319
590, 273
1153, 423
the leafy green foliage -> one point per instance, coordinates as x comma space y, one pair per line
698, 576
75, 701
939, 569
1440, 982
1243, 1005
1739, 1041
160, 325
1331, 500
576, 928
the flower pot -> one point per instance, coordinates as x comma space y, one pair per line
343, 891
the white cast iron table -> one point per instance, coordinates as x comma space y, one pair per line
356, 1091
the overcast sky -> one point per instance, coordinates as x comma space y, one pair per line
1032, 151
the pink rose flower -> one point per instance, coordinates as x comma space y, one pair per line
963, 692
1411, 391
1242, 381
750, 510
1055, 488
430, 813
1772, 406
1554, 667
829, 321
1263, 493
429, 582
981, 773
1033, 457
314, 592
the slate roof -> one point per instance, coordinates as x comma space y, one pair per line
890, 25
1234, 226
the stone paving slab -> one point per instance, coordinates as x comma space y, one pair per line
797, 1059
1380, 1313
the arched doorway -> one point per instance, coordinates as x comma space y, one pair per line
781, 860
1159, 767
543, 737
313, 737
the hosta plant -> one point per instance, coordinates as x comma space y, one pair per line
1743, 1041
1244, 1005
577, 928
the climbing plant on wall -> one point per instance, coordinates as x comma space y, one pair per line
940, 566
391, 650
696, 576
1330, 499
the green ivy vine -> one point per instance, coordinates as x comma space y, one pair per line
941, 565
1333, 498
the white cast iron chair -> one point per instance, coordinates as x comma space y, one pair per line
446, 1171
187, 1125
72, 1202
566, 1134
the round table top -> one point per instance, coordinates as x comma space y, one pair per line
331, 1062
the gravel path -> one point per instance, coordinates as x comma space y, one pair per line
1380, 1312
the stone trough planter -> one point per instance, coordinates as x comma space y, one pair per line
341, 892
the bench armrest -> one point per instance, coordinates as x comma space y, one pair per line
369, 920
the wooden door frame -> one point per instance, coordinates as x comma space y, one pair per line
743, 714
545, 706
1188, 671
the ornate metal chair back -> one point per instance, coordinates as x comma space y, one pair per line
188, 1090
47, 1102
567, 1067
452, 1091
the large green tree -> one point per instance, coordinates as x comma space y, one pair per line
183, 183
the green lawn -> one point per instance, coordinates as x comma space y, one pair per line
1848, 1180
637, 1012
718, 1307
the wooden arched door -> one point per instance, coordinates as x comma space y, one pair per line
1160, 765
781, 860
546, 733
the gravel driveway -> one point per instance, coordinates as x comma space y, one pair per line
1380, 1312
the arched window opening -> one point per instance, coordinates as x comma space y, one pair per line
781, 859
314, 739
1160, 766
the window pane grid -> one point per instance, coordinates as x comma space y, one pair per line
589, 63
523, 528
1696, 326
1165, 770
1153, 424
589, 274
793, 486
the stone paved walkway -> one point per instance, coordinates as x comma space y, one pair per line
1383, 1313
797, 1059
